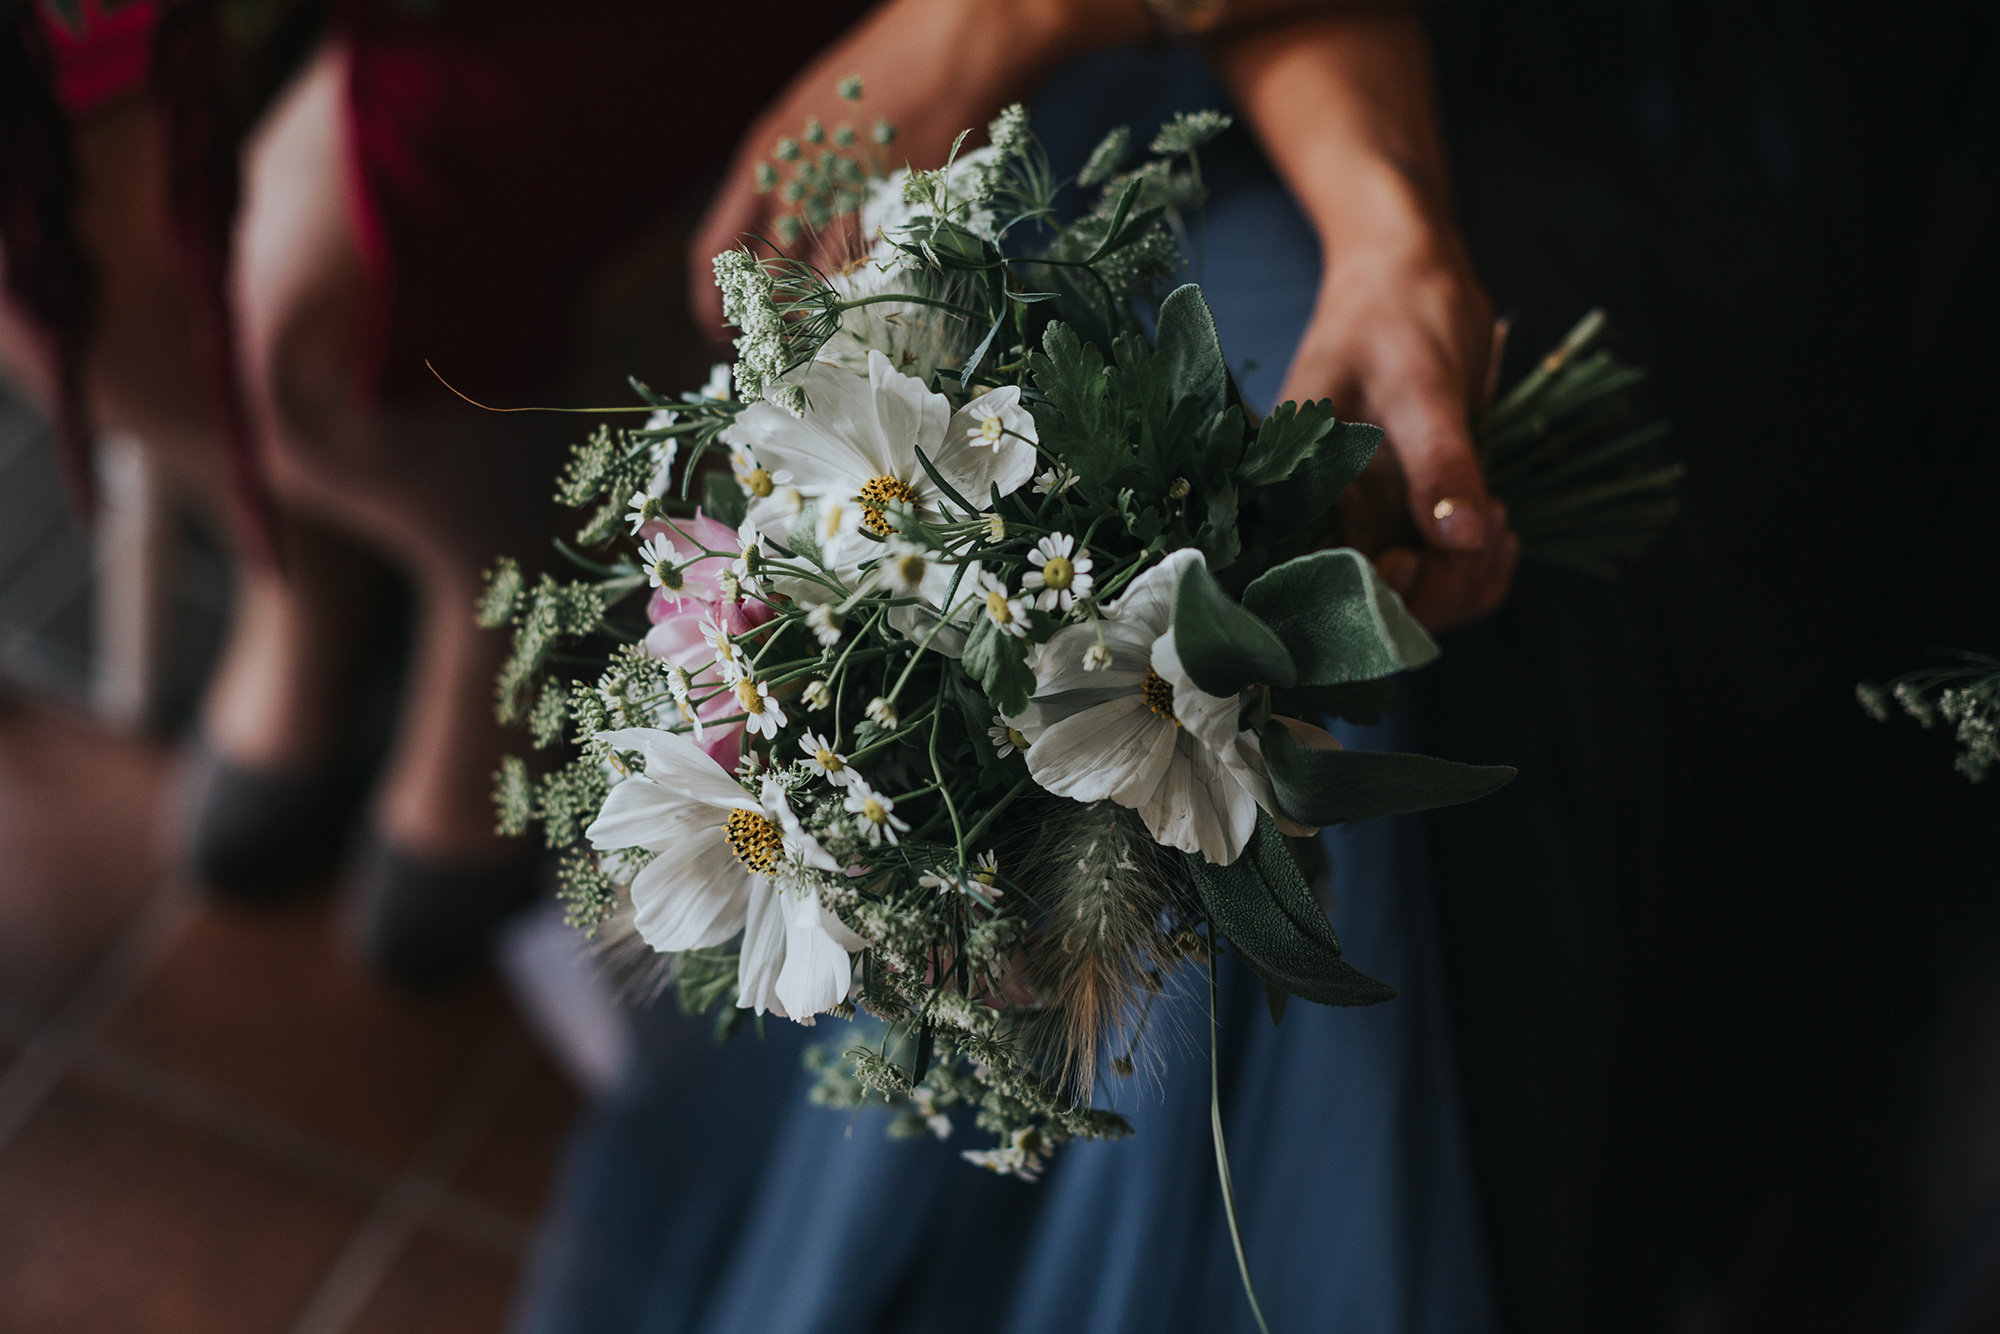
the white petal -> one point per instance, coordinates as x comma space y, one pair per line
1148, 601
763, 956
816, 972
1060, 667
686, 898
678, 764
822, 450
638, 813
1201, 805
906, 415
974, 467
1116, 750
1212, 719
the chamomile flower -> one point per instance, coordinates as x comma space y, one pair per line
1005, 737
728, 658
759, 481
996, 528
764, 715
644, 508
662, 563
1007, 612
817, 695
717, 387
1096, 658
875, 817
986, 870
825, 623
881, 712
904, 568
1061, 573
748, 567
679, 686
1025, 1155
988, 430
1054, 480
825, 761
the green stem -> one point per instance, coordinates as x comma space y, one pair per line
1221, 1151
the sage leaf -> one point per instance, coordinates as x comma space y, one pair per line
1337, 619
1323, 787
1222, 646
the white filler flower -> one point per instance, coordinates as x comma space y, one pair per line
1061, 574
856, 446
729, 862
1140, 733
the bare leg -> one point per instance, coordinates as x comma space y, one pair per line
275, 704
439, 491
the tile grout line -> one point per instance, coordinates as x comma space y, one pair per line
331, 1165
123, 968
418, 1194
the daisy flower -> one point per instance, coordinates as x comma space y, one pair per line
718, 382
988, 430
662, 562
875, 817
644, 508
765, 714
1006, 739
817, 695
825, 761
905, 567
1096, 658
1061, 576
729, 863
1054, 480
825, 624
881, 712
715, 631
855, 448
761, 483
748, 567
1139, 732
1007, 612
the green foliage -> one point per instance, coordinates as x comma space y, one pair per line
1223, 647
999, 662
1580, 489
588, 897
723, 498
502, 598
1337, 619
1190, 353
1269, 913
1323, 787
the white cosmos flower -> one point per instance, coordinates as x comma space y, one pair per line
854, 452
1060, 577
763, 714
729, 863
875, 817
1139, 732
825, 761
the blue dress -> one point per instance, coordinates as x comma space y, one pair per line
707, 1196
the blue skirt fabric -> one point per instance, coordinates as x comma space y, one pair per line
709, 1197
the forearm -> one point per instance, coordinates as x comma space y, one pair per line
1343, 107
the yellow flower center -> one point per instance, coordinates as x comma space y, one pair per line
910, 568
756, 841
872, 811
877, 493
1159, 694
1015, 739
760, 483
670, 576
829, 761
989, 430
985, 875
746, 691
1058, 573
997, 607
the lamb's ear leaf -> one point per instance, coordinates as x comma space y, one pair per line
999, 662
1313, 486
1223, 647
1322, 787
1337, 619
1264, 907
1185, 341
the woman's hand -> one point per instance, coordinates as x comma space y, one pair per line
1402, 335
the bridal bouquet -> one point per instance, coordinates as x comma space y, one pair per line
981, 691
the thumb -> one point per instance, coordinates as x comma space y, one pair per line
1448, 499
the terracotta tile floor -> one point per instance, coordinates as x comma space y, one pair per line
209, 1121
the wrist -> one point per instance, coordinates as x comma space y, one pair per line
1054, 32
